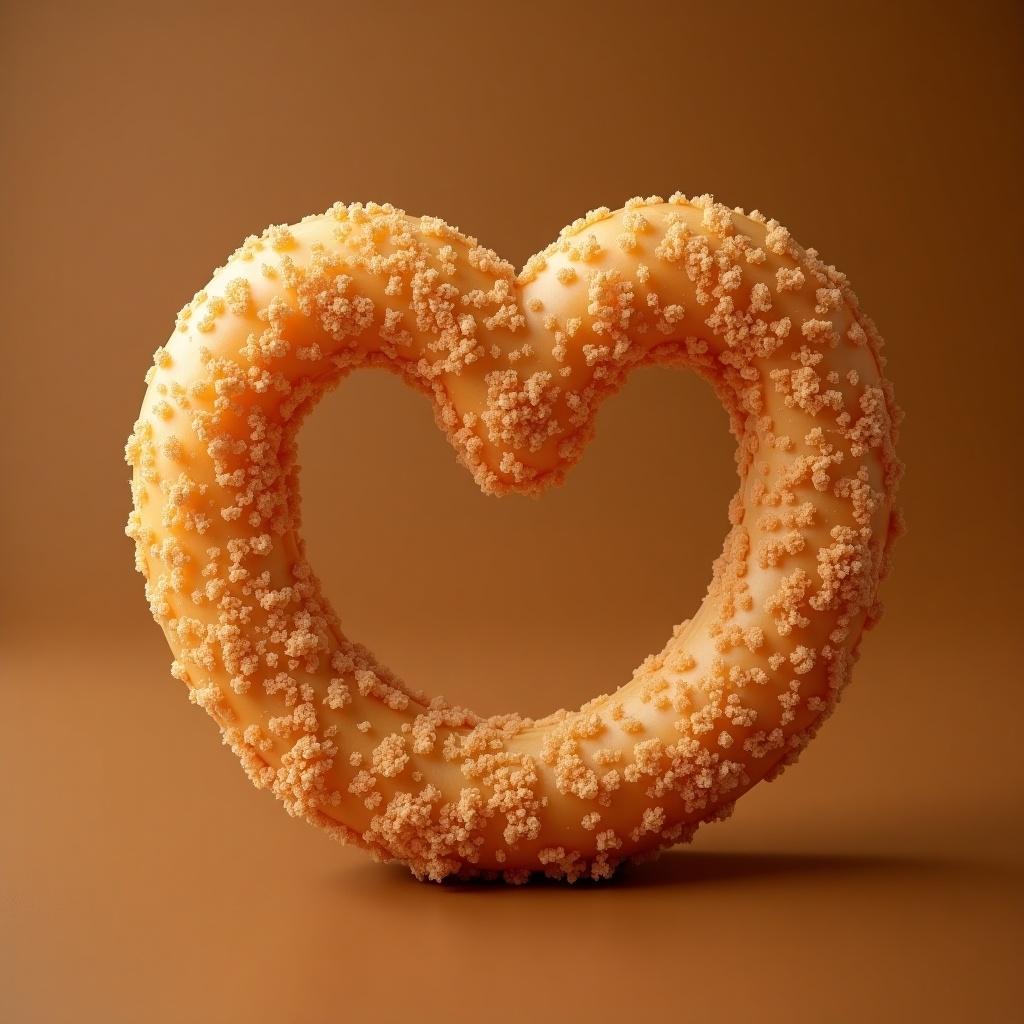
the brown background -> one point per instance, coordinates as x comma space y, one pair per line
142, 878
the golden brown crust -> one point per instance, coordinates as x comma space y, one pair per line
516, 368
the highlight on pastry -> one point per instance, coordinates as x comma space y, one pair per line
516, 366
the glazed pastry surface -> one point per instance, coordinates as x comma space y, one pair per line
516, 366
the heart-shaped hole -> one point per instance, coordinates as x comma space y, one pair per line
516, 603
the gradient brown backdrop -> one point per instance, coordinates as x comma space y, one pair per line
142, 878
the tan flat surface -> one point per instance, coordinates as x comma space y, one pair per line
847, 891
141, 878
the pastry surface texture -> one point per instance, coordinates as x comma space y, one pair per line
516, 366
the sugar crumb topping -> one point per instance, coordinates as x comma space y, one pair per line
343, 742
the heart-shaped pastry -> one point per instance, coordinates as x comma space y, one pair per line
516, 367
